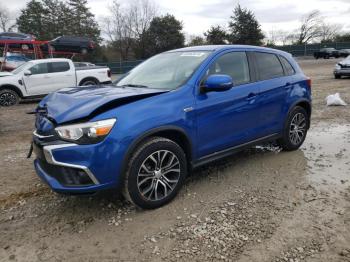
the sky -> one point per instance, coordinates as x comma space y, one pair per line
198, 15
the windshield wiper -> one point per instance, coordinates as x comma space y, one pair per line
137, 86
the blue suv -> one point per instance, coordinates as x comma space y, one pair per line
174, 112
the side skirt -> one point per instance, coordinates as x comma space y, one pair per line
229, 151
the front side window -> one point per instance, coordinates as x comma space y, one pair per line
268, 66
57, 67
39, 69
164, 71
234, 64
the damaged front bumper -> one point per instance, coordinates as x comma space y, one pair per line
74, 169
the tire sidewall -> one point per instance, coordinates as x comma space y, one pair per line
147, 149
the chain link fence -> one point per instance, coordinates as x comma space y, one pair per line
309, 49
123, 67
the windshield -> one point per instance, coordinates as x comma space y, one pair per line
164, 71
20, 68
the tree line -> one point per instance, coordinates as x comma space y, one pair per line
137, 30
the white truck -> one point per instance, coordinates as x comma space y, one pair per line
39, 77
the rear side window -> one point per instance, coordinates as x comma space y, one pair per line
268, 66
289, 70
39, 69
57, 67
234, 64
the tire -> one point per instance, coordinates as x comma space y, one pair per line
337, 76
291, 139
145, 185
8, 97
84, 51
89, 82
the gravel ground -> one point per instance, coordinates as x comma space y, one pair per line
257, 205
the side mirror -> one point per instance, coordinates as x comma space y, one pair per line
27, 73
217, 83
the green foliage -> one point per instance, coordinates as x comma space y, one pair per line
197, 40
47, 19
216, 35
244, 28
164, 33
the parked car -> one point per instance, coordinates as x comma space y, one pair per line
43, 76
327, 53
83, 64
12, 62
75, 44
344, 52
342, 68
17, 36
176, 111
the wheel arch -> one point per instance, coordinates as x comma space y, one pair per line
14, 88
306, 104
88, 78
174, 133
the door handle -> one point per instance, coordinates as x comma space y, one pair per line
251, 96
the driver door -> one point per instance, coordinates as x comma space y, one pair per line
39, 81
229, 118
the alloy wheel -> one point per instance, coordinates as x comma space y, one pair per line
7, 99
158, 175
297, 129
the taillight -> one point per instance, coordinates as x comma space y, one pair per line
92, 45
109, 74
308, 82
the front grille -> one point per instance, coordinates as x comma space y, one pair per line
66, 176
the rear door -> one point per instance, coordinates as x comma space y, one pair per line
274, 88
230, 118
62, 75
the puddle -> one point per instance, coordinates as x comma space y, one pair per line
327, 150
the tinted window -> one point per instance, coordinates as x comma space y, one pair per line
268, 66
289, 70
234, 64
39, 69
59, 67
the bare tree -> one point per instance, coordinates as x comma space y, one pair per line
7, 23
126, 26
329, 31
310, 27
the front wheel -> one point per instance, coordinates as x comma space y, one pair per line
8, 97
295, 129
336, 76
155, 173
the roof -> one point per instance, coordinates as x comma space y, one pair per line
223, 47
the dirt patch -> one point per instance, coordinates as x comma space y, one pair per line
258, 205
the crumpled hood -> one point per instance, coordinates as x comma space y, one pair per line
70, 104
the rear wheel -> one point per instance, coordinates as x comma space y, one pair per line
89, 82
295, 129
84, 51
155, 173
8, 97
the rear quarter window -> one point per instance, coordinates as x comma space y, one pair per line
288, 68
268, 66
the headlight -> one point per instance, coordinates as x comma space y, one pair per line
86, 133
337, 66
